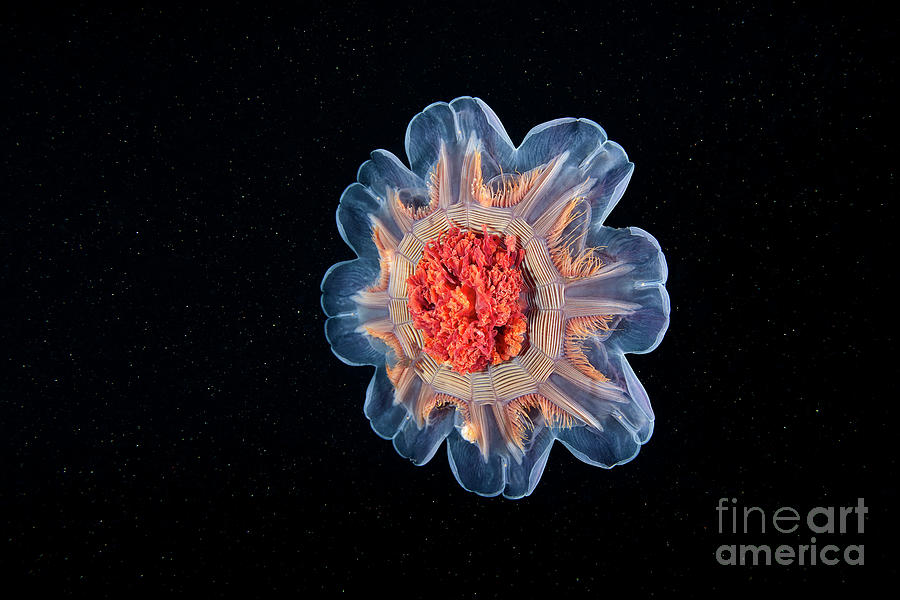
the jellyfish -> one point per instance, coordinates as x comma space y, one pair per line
495, 306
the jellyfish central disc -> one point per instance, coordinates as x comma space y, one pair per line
464, 297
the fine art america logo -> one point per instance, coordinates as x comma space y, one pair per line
829, 521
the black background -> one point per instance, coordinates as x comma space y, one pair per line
173, 418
